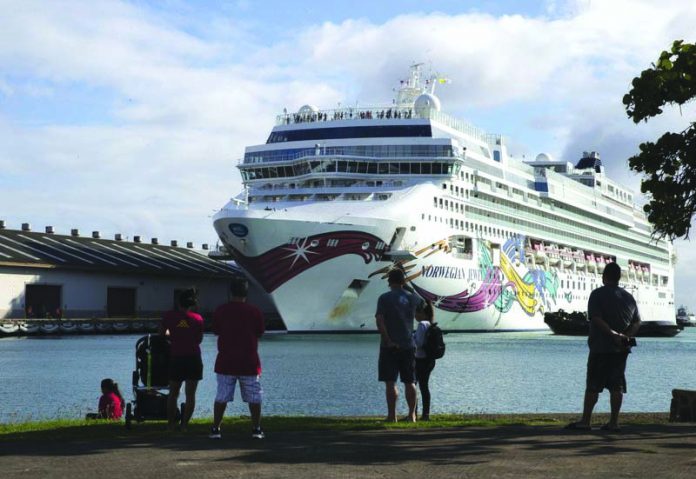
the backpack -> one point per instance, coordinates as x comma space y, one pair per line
434, 344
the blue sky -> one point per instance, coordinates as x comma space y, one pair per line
130, 116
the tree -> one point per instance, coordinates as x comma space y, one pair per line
669, 164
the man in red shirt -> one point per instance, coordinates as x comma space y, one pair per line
238, 326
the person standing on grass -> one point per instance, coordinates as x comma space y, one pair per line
395, 316
424, 364
185, 329
238, 325
614, 322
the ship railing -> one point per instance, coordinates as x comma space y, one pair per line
465, 127
348, 113
355, 188
387, 113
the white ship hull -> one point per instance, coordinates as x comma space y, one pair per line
326, 275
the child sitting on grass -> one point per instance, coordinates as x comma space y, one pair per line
110, 403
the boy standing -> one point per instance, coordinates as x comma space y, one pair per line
238, 326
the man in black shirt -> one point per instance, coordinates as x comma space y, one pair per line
614, 321
395, 315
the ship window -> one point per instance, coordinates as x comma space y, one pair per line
404, 168
437, 170
425, 169
415, 168
351, 132
372, 168
383, 168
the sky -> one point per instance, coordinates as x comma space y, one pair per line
130, 116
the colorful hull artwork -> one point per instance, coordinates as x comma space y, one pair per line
279, 265
502, 285
535, 290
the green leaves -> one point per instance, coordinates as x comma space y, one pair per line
668, 165
670, 81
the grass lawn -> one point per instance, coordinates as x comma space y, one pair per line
68, 429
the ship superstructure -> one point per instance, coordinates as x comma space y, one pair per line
335, 198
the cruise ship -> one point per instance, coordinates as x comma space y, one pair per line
336, 198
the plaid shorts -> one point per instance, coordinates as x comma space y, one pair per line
250, 387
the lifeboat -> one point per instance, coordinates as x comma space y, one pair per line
137, 326
553, 255
646, 273
28, 328
591, 262
631, 271
567, 257
49, 327
152, 326
579, 259
68, 327
539, 253
86, 327
121, 326
8, 327
601, 262
103, 327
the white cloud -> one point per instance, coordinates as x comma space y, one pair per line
181, 106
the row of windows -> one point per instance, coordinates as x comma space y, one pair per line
386, 131
536, 226
333, 165
514, 208
370, 151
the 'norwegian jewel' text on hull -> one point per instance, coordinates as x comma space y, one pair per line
335, 198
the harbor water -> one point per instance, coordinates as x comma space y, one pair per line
58, 377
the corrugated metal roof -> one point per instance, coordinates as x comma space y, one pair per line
48, 250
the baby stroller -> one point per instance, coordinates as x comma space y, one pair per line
150, 381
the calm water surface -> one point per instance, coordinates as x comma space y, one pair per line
44, 378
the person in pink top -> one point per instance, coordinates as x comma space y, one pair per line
238, 325
185, 329
111, 402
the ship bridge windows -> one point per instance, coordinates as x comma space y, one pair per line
368, 151
254, 172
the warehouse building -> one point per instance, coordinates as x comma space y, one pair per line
48, 275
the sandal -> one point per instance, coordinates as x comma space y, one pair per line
578, 426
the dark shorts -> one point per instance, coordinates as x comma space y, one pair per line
185, 368
606, 371
394, 363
